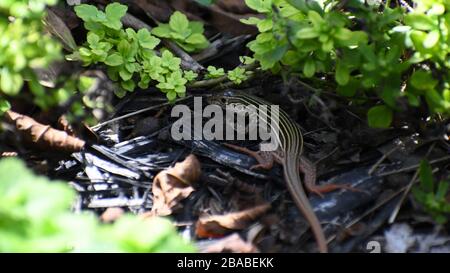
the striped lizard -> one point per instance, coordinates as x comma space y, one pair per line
288, 154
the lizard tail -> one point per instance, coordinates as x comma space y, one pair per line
295, 187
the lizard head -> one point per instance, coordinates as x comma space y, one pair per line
224, 98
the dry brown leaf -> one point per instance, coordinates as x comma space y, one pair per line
217, 225
57, 27
43, 136
173, 185
111, 215
232, 243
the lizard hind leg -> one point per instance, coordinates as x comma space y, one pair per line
265, 159
309, 170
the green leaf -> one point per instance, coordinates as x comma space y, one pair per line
128, 85
171, 96
309, 68
262, 6
114, 12
270, 58
342, 74
305, 5
379, 116
162, 31
125, 75
10, 82
146, 40
423, 80
442, 190
86, 12
307, 33
265, 25
85, 83
119, 92
196, 38
114, 59
93, 39
178, 22
250, 21
196, 27
214, 72
4, 106
432, 39
420, 21
315, 18
190, 75
170, 61
124, 48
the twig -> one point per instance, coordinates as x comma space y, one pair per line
375, 166
408, 188
135, 113
412, 167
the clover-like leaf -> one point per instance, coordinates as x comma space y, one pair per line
196, 27
178, 22
146, 40
125, 74
86, 12
190, 75
170, 61
114, 12
196, 38
93, 39
163, 31
114, 59
214, 72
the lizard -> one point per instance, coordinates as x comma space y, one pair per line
288, 154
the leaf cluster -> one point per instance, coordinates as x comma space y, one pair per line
35, 217
369, 49
24, 48
187, 34
131, 57
433, 200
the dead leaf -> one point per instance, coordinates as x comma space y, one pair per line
58, 28
217, 225
232, 243
173, 185
43, 136
188, 171
111, 214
